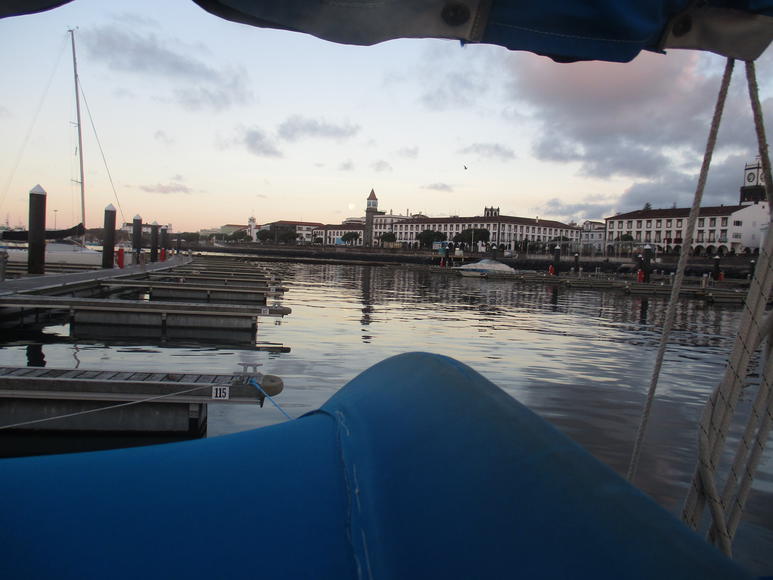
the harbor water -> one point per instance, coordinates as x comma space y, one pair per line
581, 358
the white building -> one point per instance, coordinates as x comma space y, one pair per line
331, 234
592, 236
718, 230
509, 231
304, 230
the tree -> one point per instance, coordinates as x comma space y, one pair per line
240, 236
472, 235
350, 237
287, 237
647, 206
388, 237
318, 240
426, 238
264, 235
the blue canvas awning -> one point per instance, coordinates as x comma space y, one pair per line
565, 30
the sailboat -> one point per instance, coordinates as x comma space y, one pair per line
62, 246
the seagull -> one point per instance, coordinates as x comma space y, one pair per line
465, 167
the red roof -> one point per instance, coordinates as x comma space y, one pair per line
676, 212
372, 195
293, 223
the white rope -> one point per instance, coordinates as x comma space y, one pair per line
680, 269
716, 417
100, 409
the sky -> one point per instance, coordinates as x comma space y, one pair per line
195, 121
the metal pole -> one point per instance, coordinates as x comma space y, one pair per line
80, 136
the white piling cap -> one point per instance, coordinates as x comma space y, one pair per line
38, 190
154, 224
110, 207
137, 217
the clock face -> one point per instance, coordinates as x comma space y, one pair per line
750, 177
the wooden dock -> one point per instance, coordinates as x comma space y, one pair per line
35, 400
160, 290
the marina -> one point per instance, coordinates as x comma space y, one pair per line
582, 386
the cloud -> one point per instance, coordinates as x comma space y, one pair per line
196, 84
166, 188
591, 207
408, 152
298, 127
346, 166
637, 120
162, 137
257, 143
451, 79
489, 151
662, 191
380, 166
438, 187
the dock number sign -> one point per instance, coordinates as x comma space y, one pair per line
220, 392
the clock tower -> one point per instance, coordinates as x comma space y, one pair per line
753, 188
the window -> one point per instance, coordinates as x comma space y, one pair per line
638, 223
619, 225
724, 222
736, 236
638, 236
711, 235
712, 222
657, 237
679, 223
647, 236
737, 223
699, 238
649, 223
668, 236
629, 224
722, 235
668, 223
701, 222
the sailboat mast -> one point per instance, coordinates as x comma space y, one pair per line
80, 136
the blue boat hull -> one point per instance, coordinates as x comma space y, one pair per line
418, 468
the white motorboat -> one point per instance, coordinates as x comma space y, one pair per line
485, 268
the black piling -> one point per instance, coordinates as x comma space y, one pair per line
577, 264
36, 242
716, 273
154, 242
137, 238
108, 242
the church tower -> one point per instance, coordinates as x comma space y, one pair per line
370, 211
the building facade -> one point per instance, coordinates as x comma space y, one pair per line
592, 237
515, 233
304, 230
719, 230
332, 234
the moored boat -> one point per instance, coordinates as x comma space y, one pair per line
486, 268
